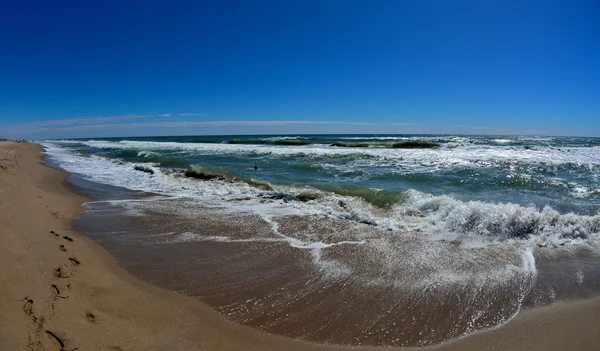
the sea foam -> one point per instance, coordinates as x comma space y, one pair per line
437, 217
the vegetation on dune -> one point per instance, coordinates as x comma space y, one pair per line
16, 141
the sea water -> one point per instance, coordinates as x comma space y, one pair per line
439, 235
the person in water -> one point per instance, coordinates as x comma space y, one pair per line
255, 167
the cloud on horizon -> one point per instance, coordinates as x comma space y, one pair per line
189, 123
36, 128
157, 122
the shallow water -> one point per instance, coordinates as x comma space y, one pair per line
352, 245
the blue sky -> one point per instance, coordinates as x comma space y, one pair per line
119, 68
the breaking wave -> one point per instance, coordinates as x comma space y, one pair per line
439, 217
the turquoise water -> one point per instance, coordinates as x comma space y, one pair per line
531, 171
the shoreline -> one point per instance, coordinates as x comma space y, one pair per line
99, 305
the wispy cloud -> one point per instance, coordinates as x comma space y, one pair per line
99, 120
26, 129
83, 120
157, 121
197, 123
405, 124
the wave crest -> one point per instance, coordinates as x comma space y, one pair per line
496, 222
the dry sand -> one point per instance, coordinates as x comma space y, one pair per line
93, 304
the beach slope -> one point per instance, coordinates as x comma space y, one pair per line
60, 290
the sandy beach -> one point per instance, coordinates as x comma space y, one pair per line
62, 291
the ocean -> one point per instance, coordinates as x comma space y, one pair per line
352, 239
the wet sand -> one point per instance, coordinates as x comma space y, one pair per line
91, 303
250, 277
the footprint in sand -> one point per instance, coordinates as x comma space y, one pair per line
56, 292
60, 273
35, 328
56, 215
56, 340
28, 309
90, 317
28, 305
